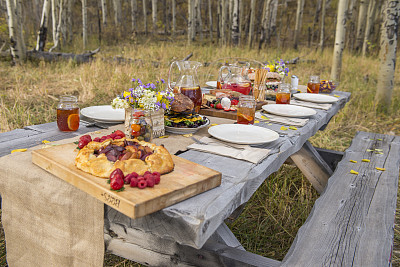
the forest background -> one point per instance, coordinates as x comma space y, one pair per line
140, 39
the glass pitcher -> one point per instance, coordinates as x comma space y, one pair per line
236, 79
187, 82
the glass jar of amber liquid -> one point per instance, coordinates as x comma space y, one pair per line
68, 114
283, 94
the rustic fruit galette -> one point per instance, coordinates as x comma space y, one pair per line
102, 157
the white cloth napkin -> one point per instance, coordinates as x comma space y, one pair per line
281, 120
242, 152
310, 104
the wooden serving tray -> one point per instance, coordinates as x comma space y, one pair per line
186, 180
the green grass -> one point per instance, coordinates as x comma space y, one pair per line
28, 95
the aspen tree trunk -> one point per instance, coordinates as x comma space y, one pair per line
154, 15
18, 50
54, 9
210, 19
145, 17
104, 11
316, 19
241, 20
58, 27
64, 22
235, 22
387, 55
252, 20
41, 40
117, 12
219, 19
223, 21
362, 17
134, 15
190, 20
299, 17
198, 22
352, 25
265, 23
84, 23
339, 40
229, 9
282, 14
368, 27
322, 31
173, 17
272, 23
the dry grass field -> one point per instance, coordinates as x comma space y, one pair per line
269, 223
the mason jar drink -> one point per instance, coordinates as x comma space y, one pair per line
68, 114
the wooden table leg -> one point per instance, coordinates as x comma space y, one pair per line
314, 168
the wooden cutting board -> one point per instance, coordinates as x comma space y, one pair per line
186, 180
220, 113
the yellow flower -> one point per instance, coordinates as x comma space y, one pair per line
126, 93
271, 68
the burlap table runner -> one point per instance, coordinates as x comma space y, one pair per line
47, 221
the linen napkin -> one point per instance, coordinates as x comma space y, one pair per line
242, 152
310, 104
281, 120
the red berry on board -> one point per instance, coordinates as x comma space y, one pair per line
97, 139
128, 178
141, 178
119, 133
115, 172
117, 183
113, 135
156, 174
82, 144
142, 184
212, 105
157, 179
135, 174
150, 181
146, 172
134, 182
219, 106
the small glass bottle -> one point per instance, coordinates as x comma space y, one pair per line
283, 94
68, 114
141, 126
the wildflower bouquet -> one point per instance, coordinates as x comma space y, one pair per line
278, 66
149, 97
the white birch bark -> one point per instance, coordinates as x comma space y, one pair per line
322, 30
241, 20
362, 17
352, 24
224, 20
235, 22
210, 19
63, 26
54, 9
104, 11
70, 4
84, 23
252, 20
18, 50
219, 20
265, 23
387, 55
154, 15
173, 17
42, 36
299, 17
369, 25
272, 23
190, 21
134, 15
282, 14
58, 26
198, 21
145, 17
117, 12
339, 39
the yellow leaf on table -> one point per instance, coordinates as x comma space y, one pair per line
283, 128
380, 169
187, 135
292, 128
213, 124
353, 172
365, 160
45, 142
353, 161
336, 95
256, 121
164, 136
19, 150
264, 118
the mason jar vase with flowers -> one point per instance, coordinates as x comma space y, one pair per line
144, 103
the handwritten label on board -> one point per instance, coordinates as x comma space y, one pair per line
111, 200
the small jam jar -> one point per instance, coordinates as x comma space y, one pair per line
68, 114
141, 126
283, 94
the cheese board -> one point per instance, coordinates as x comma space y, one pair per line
186, 180
213, 112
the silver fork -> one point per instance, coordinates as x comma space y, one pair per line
219, 143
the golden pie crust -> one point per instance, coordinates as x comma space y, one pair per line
159, 161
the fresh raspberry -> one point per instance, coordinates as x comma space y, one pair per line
140, 178
134, 182
157, 179
127, 179
113, 135
97, 139
117, 137
150, 181
135, 174
147, 176
146, 172
142, 184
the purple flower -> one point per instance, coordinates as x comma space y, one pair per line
157, 82
164, 106
286, 70
139, 82
152, 85
133, 80
162, 80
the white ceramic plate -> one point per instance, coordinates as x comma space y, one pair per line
176, 130
104, 114
289, 110
243, 134
316, 98
212, 84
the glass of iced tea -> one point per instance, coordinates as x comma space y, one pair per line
283, 94
68, 114
246, 109
313, 84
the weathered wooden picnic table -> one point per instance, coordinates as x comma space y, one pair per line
193, 232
